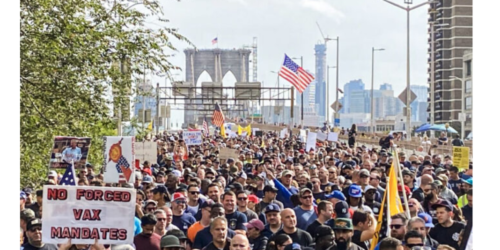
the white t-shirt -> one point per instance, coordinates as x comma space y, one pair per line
195, 208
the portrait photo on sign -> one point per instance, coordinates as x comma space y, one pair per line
68, 149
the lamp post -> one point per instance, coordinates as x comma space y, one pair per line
372, 123
278, 76
328, 92
301, 95
461, 117
432, 70
408, 96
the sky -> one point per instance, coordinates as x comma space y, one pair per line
289, 26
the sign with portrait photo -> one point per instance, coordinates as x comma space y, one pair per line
68, 149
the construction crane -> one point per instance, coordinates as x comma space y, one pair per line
254, 58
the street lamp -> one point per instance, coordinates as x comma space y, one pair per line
461, 116
301, 95
328, 93
278, 76
432, 69
408, 96
372, 127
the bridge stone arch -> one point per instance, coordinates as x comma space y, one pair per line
217, 62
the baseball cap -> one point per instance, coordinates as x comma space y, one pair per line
253, 198
337, 195
207, 203
347, 166
305, 190
469, 181
236, 186
443, 203
364, 173
287, 172
177, 233
242, 175
438, 182
33, 223
269, 188
52, 173
255, 223
322, 230
230, 160
370, 187
293, 246
150, 202
147, 179
177, 173
160, 189
408, 172
427, 219
355, 191
342, 209
28, 191
23, 195
178, 196
170, 241
342, 223
273, 207
27, 214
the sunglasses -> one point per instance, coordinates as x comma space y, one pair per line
194, 192
161, 219
396, 226
377, 178
35, 228
414, 245
242, 198
150, 208
180, 202
307, 197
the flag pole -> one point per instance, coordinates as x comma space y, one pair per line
388, 233
301, 99
399, 175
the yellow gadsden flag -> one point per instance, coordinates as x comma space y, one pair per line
223, 131
247, 129
391, 205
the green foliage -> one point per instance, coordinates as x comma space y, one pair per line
72, 53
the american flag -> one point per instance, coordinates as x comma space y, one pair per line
295, 74
205, 127
214, 41
122, 162
218, 116
68, 179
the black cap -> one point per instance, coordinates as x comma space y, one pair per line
269, 188
28, 190
293, 246
443, 203
33, 223
273, 207
160, 189
236, 185
207, 203
342, 209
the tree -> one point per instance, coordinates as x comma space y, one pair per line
70, 50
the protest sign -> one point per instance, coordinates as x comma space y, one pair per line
146, 151
333, 136
259, 133
192, 138
267, 127
283, 133
461, 157
311, 141
86, 213
321, 136
119, 159
254, 131
67, 149
303, 135
226, 153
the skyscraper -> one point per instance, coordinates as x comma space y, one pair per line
353, 85
421, 93
450, 42
320, 77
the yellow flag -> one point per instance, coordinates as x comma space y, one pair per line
239, 130
223, 131
263, 144
391, 204
249, 130
150, 126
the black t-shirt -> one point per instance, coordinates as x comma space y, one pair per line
447, 235
45, 247
300, 237
204, 237
311, 228
356, 239
375, 208
353, 246
418, 195
235, 221
467, 212
211, 246
318, 197
455, 186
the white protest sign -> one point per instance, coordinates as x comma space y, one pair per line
192, 137
283, 133
333, 136
321, 136
254, 130
244, 134
119, 159
146, 151
311, 141
86, 213
303, 134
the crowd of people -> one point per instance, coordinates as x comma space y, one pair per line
274, 195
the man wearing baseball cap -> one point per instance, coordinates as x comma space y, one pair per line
273, 220
343, 230
355, 199
323, 237
285, 188
26, 216
269, 197
34, 234
305, 213
446, 231
258, 241
181, 219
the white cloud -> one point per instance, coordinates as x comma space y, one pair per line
323, 7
